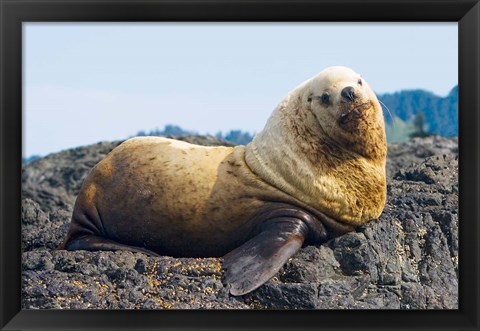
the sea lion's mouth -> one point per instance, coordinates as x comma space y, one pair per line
355, 112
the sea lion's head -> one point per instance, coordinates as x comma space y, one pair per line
325, 145
347, 110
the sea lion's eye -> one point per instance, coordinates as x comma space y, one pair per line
360, 82
325, 98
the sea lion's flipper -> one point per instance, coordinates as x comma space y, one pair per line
259, 259
97, 243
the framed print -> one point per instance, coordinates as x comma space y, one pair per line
240, 165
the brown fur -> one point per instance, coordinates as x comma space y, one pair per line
183, 204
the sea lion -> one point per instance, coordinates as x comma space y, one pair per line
317, 170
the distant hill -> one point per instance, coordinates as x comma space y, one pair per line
30, 158
440, 113
169, 130
237, 137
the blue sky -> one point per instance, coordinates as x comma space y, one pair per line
85, 82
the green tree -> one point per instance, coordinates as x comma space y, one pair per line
419, 126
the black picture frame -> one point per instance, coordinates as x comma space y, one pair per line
14, 12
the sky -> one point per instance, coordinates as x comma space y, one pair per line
89, 82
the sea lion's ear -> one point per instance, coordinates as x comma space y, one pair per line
259, 259
309, 98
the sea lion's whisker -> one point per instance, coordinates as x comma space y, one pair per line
389, 112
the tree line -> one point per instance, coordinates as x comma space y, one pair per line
238, 137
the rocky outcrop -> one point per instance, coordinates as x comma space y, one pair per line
417, 150
407, 259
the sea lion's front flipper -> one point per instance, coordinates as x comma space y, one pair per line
259, 259
97, 243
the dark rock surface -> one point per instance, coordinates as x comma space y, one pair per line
407, 259
417, 150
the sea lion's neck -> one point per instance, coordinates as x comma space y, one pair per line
272, 155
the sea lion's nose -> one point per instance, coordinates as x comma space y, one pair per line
349, 93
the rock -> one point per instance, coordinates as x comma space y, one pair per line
407, 259
42, 229
417, 149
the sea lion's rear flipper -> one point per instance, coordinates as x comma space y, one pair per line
259, 259
97, 243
